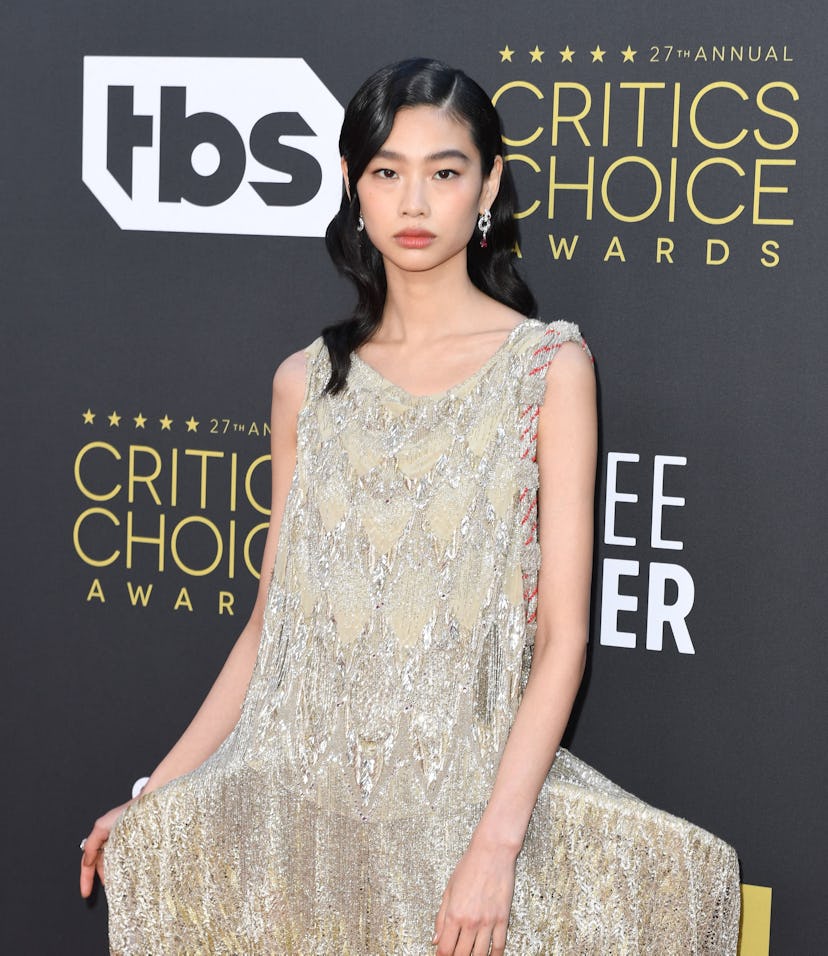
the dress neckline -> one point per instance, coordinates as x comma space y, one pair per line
404, 394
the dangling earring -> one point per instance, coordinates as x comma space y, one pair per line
360, 224
483, 224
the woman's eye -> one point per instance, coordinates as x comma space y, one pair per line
385, 173
446, 174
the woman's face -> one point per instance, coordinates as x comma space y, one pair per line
421, 194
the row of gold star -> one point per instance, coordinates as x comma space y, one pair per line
140, 421
567, 54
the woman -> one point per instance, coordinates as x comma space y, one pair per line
376, 769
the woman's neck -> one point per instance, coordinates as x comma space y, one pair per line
422, 306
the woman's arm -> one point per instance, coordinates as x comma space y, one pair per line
220, 710
566, 451
478, 897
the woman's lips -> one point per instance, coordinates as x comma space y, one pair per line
414, 238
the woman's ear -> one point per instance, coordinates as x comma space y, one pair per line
344, 165
491, 184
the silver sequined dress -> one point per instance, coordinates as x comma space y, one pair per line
396, 645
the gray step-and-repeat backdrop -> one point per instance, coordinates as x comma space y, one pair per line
167, 173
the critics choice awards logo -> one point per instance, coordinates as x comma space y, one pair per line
666, 150
220, 145
663, 141
170, 512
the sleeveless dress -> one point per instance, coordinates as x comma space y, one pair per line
396, 645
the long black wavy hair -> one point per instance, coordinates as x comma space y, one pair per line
367, 125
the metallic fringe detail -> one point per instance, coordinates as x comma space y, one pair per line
531, 395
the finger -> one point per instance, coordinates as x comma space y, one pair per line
482, 941
440, 920
88, 873
92, 853
447, 945
499, 939
465, 944
94, 842
87, 879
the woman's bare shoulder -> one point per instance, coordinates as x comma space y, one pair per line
500, 316
289, 382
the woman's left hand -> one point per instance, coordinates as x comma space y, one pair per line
475, 909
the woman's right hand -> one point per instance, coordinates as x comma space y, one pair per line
92, 859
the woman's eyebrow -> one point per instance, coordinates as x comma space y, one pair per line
432, 157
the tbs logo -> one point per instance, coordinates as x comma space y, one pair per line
196, 144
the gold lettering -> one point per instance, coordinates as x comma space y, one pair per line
135, 539
759, 189
231, 550
520, 158
664, 249
95, 562
519, 85
691, 182
712, 144
769, 247
248, 484
725, 252
554, 186
196, 519
234, 479
786, 117
183, 600
564, 243
615, 249
642, 92
174, 478
80, 482
148, 480
574, 118
671, 197
96, 591
140, 593
204, 455
674, 135
623, 161
605, 123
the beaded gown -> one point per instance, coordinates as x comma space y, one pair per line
396, 645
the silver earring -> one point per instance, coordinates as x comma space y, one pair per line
360, 224
483, 224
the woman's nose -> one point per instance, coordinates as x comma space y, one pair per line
413, 201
